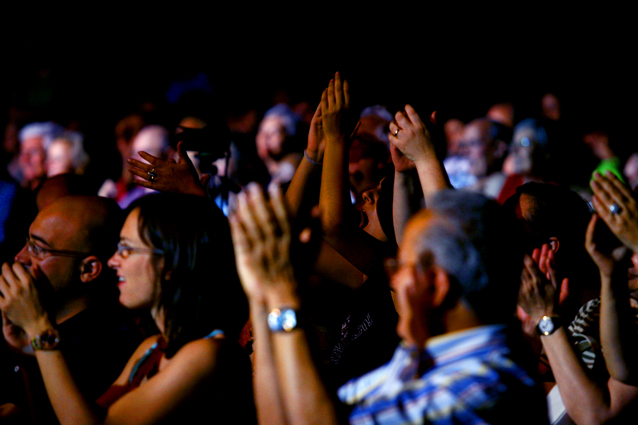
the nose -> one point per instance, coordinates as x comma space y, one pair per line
23, 256
114, 261
370, 196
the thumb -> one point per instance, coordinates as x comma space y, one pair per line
564, 291
183, 156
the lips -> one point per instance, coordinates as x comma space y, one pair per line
364, 219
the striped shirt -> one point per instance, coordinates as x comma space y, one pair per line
465, 377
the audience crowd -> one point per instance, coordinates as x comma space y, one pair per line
319, 263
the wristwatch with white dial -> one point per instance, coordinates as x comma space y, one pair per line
548, 325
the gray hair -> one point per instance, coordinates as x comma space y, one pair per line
48, 131
290, 119
79, 157
474, 242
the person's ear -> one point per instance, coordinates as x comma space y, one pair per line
554, 244
441, 286
90, 268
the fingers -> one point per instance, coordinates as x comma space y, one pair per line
238, 234
245, 217
153, 160
402, 120
346, 93
140, 165
356, 129
338, 91
20, 272
331, 95
279, 208
412, 115
262, 212
316, 118
325, 106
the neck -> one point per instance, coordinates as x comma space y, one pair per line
158, 318
70, 309
460, 317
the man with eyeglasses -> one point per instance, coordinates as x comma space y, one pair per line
65, 255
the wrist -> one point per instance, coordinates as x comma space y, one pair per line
283, 296
312, 157
38, 327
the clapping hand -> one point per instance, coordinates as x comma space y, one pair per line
261, 238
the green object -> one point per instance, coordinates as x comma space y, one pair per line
611, 164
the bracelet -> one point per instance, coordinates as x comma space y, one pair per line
310, 160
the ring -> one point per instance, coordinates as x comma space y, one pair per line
614, 208
396, 132
152, 176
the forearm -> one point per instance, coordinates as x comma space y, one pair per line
67, 400
586, 401
407, 199
305, 178
618, 331
305, 397
333, 194
432, 176
268, 400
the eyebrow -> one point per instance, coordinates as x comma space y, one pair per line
39, 239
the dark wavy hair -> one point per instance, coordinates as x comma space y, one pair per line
199, 288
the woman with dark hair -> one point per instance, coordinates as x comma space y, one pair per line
175, 259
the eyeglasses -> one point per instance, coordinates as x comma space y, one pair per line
39, 252
124, 250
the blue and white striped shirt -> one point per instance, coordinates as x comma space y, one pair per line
465, 377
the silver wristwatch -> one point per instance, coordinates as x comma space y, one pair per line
548, 325
282, 320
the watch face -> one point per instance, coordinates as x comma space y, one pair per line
546, 325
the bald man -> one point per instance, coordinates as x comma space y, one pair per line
66, 251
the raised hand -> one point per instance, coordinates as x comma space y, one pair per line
261, 238
166, 175
616, 205
538, 296
316, 140
335, 104
607, 256
410, 135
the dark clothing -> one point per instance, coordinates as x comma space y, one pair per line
367, 338
96, 344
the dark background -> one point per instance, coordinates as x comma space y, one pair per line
98, 66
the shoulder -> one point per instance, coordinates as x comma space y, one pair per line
207, 356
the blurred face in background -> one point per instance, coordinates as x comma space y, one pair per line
32, 158
270, 138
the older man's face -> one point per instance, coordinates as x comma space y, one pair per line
413, 286
32, 158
